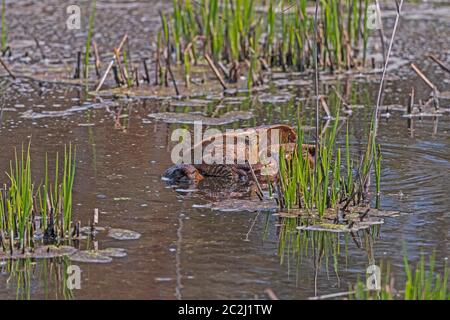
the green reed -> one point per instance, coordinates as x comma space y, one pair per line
298, 186
67, 186
349, 163
22, 204
426, 284
4, 31
177, 29
89, 38
225, 30
365, 32
422, 283
187, 68
159, 73
377, 169
18, 205
334, 182
127, 68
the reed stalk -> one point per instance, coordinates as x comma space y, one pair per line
423, 282
224, 30
89, 39
4, 31
21, 203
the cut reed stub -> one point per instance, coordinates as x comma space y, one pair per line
95, 216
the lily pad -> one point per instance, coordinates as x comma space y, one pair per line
123, 234
191, 118
338, 228
54, 251
248, 205
114, 252
44, 252
328, 227
190, 103
91, 256
273, 99
87, 230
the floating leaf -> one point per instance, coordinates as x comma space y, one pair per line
114, 252
123, 234
91, 256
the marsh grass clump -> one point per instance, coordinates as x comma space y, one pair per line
257, 36
29, 212
334, 183
423, 282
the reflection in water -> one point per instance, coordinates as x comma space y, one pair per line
322, 248
31, 278
179, 242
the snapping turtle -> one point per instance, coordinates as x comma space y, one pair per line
239, 168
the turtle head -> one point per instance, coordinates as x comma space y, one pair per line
192, 173
183, 173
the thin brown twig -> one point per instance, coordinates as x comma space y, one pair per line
340, 97
380, 90
121, 68
147, 73
111, 63
215, 71
97, 59
7, 69
271, 294
423, 77
439, 62
259, 193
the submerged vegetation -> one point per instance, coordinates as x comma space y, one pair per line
29, 212
89, 38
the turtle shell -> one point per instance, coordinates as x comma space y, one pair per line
229, 154
241, 147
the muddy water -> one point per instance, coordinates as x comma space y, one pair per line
189, 252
